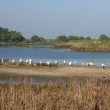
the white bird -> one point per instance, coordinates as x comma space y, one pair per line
30, 61
13, 61
64, 62
56, 62
70, 63
91, 64
103, 65
20, 60
2, 60
34, 64
27, 61
48, 63
41, 62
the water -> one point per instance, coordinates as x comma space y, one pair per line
46, 79
45, 54
34, 79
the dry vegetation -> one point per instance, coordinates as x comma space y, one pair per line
86, 45
88, 95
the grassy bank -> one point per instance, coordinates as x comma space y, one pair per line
15, 44
86, 45
56, 96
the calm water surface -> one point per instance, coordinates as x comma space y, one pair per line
45, 54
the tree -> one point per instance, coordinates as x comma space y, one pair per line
62, 38
88, 38
16, 36
72, 37
4, 30
42, 39
36, 38
6, 35
81, 38
103, 37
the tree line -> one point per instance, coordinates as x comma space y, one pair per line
13, 36
64, 38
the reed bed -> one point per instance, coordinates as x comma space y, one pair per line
89, 95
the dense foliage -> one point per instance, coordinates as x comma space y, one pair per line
36, 38
64, 38
104, 37
12, 36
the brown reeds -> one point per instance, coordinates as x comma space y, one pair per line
88, 95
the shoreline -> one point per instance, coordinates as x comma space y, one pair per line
60, 71
55, 47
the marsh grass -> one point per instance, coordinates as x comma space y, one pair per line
55, 96
86, 45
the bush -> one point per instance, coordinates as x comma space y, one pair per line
103, 37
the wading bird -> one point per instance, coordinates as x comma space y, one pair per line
103, 65
64, 62
56, 62
13, 61
20, 60
70, 63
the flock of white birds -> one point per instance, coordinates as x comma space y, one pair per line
29, 61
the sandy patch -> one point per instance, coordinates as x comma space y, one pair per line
55, 71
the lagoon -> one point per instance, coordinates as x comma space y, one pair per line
45, 54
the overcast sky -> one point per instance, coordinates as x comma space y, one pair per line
50, 18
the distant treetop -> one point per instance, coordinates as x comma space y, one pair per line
103, 37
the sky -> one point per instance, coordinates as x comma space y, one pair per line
50, 18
